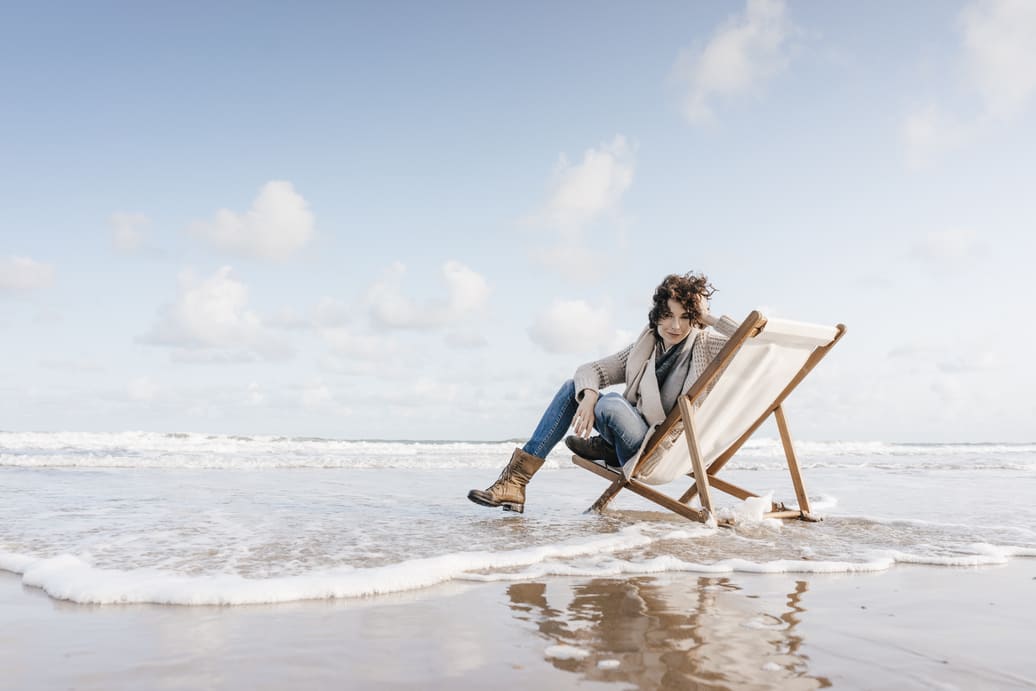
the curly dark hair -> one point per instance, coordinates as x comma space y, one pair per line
684, 289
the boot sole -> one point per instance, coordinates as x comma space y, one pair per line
474, 496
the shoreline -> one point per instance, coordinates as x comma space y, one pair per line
908, 627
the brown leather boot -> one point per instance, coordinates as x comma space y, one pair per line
509, 489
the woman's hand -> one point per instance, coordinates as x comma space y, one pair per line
703, 310
583, 422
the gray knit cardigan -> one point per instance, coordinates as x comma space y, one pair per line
630, 364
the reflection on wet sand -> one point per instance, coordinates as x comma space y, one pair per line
657, 634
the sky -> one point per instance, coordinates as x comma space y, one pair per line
406, 220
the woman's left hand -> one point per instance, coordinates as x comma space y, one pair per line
703, 310
583, 422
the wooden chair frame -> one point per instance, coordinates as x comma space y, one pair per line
705, 478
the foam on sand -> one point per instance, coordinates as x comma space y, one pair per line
283, 519
67, 577
566, 652
632, 550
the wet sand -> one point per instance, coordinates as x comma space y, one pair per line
910, 627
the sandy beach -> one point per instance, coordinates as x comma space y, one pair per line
909, 627
243, 574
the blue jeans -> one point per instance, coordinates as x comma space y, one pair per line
619, 423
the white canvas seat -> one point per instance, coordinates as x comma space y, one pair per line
761, 364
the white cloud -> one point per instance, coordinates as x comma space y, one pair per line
750, 48
278, 224
354, 352
929, 132
192, 356
466, 338
209, 312
289, 319
330, 312
573, 326
369, 347
141, 389
620, 339
418, 394
327, 313
1000, 52
349, 366
128, 230
22, 275
434, 391
317, 396
212, 313
467, 294
998, 69
580, 192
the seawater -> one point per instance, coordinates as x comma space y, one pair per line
207, 519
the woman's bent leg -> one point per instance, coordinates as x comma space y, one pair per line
620, 424
556, 420
509, 489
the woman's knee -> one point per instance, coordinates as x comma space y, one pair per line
619, 415
609, 405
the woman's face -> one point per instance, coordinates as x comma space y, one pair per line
674, 324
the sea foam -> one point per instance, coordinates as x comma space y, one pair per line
204, 519
191, 450
67, 577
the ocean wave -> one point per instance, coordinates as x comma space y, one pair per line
67, 577
192, 450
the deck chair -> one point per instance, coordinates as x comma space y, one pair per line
747, 382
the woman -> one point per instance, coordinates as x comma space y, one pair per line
661, 365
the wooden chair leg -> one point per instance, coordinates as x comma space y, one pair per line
619, 481
793, 464
722, 485
667, 502
689, 494
701, 478
730, 488
616, 478
606, 498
